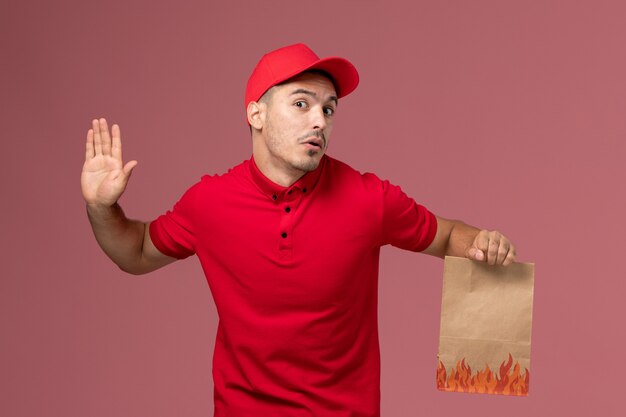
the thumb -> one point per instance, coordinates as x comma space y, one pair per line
128, 168
475, 253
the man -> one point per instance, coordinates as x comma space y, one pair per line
289, 242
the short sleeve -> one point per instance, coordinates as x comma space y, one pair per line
406, 224
173, 233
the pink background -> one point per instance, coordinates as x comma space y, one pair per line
506, 114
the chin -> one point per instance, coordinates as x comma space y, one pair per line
308, 165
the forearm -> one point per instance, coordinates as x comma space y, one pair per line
453, 238
460, 239
122, 239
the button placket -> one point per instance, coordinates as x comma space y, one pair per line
285, 233
288, 204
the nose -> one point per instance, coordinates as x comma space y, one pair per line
319, 120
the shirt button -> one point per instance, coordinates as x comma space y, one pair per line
289, 192
287, 209
274, 197
284, 235
304, 190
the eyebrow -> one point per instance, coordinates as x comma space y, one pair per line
312, 94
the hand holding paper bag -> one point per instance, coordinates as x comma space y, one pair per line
492, 247
455, 238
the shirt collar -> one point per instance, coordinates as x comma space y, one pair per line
305, 184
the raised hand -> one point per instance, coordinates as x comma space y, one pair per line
104, 175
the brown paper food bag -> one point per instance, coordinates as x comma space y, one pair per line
486, 317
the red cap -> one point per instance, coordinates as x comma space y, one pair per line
280, 65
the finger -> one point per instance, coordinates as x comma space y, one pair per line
482, 240
116, 143
503, 250
478, 250
492, 251
510, 256
106, 139
475, 253
128, 168
97, 141
89, 150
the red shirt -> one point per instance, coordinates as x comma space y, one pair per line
294, 275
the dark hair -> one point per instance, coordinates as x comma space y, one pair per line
322, 73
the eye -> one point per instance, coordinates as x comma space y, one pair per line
329, 111
301, 103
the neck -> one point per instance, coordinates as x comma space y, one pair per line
275, 170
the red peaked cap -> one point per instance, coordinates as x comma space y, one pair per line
280, 65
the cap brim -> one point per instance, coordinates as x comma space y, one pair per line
344, 74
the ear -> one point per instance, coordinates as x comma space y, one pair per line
256, 114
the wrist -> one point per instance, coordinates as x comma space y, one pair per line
104, 211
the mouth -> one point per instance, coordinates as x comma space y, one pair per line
314, 142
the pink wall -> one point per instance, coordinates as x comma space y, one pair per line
507, 114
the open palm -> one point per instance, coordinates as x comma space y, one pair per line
104, 175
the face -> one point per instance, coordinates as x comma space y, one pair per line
296, 122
